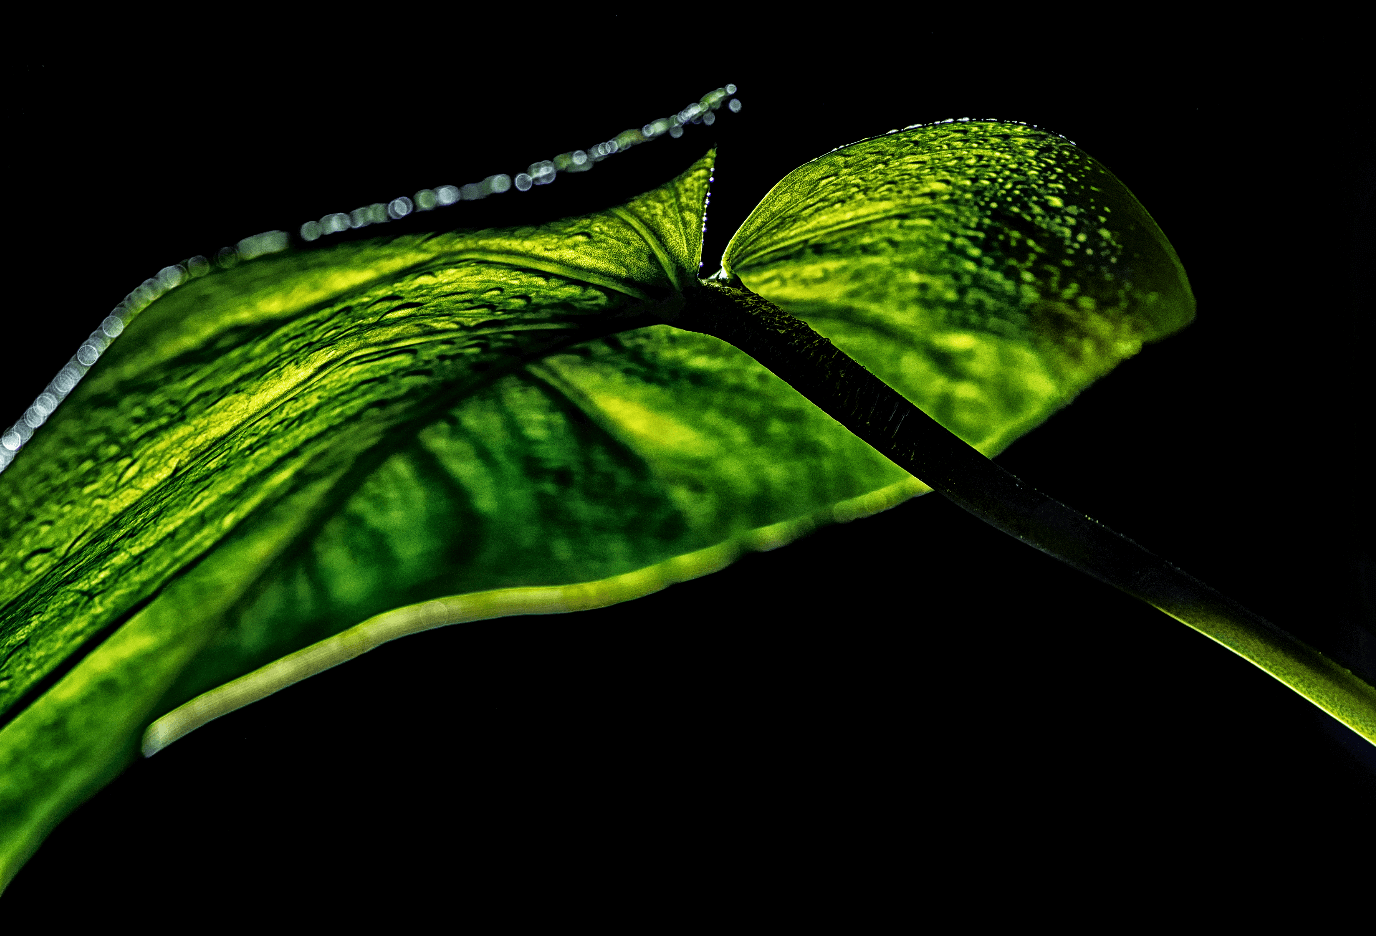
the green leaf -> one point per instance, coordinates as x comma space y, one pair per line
282, 464
987, 271
272, 454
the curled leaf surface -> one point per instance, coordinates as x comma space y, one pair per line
987, 271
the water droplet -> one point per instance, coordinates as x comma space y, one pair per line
543, 172
171, 276
260, 244
67, 378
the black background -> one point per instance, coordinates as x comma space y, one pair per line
832, 711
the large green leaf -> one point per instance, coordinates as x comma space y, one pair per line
343, 444
273, 454
987, 271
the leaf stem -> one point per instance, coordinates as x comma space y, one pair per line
885, 419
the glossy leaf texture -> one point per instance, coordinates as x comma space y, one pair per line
273, 453
989, 271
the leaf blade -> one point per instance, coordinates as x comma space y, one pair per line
268, 459
988, 271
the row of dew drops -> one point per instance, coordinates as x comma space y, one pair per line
702, 111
